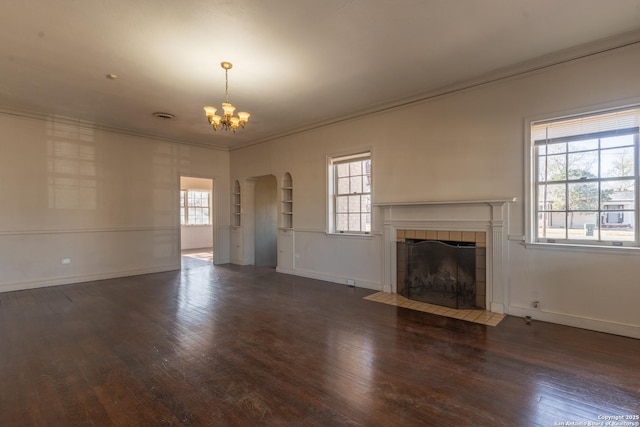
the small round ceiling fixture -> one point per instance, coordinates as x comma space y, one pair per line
161, 115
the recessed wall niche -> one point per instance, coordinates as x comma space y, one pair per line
286, 195
235, 204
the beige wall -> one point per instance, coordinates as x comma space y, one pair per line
106, 201
468, 145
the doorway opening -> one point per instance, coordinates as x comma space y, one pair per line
196, 219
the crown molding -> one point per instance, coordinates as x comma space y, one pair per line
12, 112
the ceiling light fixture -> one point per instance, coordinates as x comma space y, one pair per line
228, 120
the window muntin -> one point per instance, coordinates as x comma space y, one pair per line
351, 193
195, 207
586, 173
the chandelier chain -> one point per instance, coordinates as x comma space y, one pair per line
226, 85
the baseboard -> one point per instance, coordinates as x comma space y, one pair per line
330, 278
598, 325
85, 278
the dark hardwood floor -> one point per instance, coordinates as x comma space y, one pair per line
248, 346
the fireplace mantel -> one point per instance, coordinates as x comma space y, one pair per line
485, 215
448, 202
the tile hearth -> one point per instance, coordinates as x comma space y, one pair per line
477, 316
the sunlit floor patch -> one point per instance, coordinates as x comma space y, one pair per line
477, 316
201, 254
196, 258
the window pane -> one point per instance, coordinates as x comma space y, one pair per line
182, 218
557, 148
618, 194
354, 203
620, 226
552, 197
342, 222
354, 222
541, 164
617, 162
356, 184
366, 222
342, 205
366, 184
587, 144
556, 167
356, 168
616, 224
343, 169
583, 165
366, 203
343, 186
583, 196
552, 225
583, 225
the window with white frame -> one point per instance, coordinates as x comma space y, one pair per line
195, 207
350, 193
586, 179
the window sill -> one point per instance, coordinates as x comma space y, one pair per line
356, 235
582, 247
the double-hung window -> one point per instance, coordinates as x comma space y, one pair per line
195, 207
586, 179
350, 193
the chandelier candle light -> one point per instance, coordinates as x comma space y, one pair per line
228, 120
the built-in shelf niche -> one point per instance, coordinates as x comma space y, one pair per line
286, 192
235, 205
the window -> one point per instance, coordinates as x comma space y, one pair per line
195, 207
586, 179
350, 193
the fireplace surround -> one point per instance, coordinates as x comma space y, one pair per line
481, 221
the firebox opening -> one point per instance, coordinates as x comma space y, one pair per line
440, 272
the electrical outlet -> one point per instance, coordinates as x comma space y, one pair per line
535, 304
351, 282
65, 261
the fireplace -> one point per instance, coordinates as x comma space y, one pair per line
438, 272
450, 273
484, 222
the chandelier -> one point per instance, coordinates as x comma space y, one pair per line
227, 121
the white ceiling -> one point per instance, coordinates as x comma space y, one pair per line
297, 63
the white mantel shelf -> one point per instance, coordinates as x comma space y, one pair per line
447, 202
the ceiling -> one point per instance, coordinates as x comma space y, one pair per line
297, 63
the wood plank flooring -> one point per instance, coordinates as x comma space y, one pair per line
231, 345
